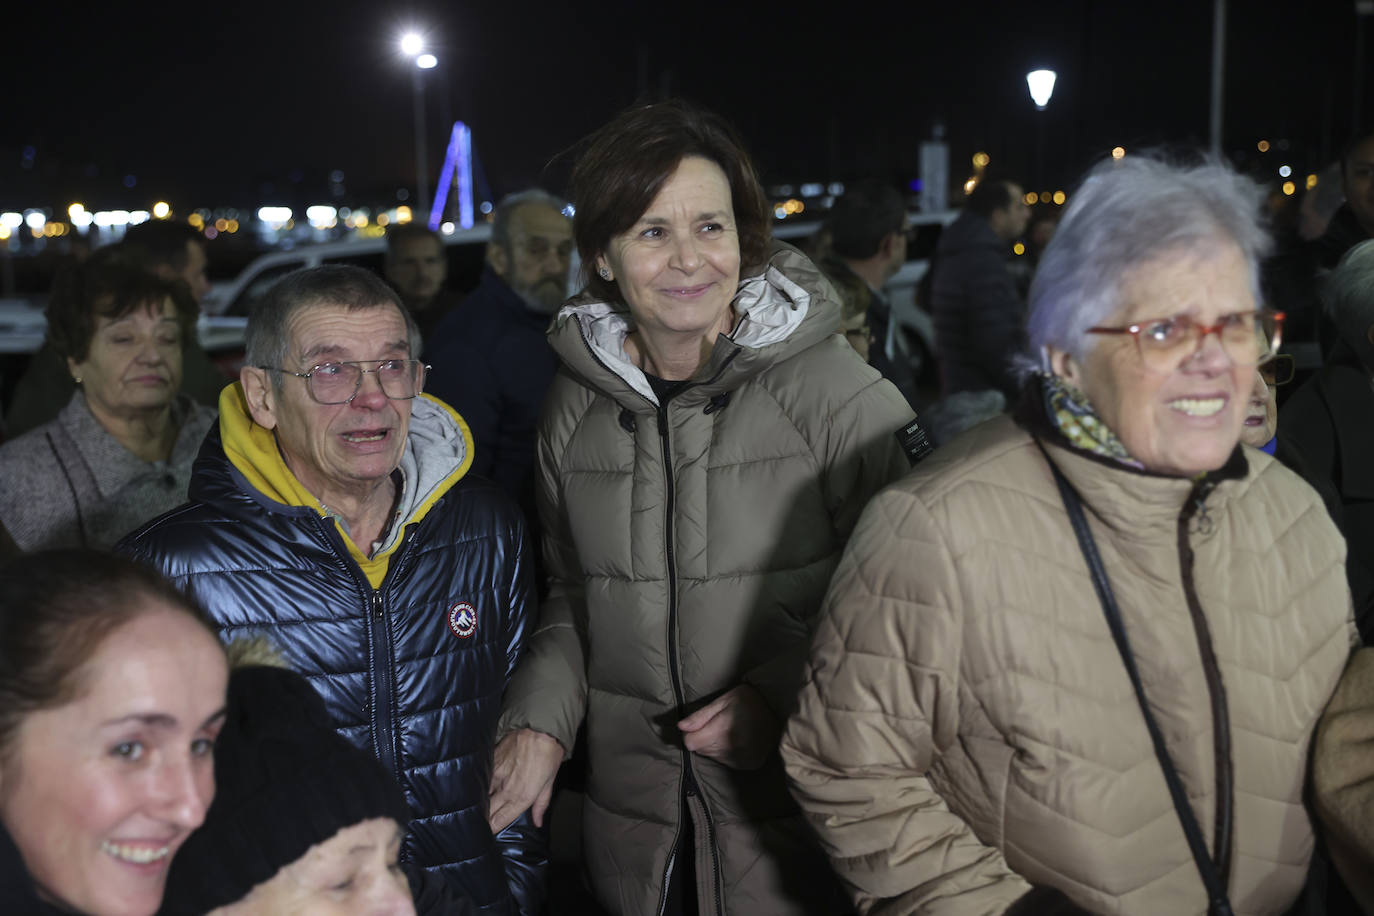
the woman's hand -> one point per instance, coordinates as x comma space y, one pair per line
736, 728
522, 773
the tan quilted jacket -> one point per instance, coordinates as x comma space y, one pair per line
968, 730
689, 547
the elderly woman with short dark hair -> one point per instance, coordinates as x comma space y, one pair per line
120, 452
1074, 662
703, 455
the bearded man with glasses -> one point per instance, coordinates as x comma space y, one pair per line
332, 512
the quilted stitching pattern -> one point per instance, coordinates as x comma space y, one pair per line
967, 707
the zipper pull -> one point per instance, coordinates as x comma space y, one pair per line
1203, 523
377, 605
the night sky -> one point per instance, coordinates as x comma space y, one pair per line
239, 104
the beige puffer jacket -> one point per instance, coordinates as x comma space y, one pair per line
1343, 777
968, 729
689, 549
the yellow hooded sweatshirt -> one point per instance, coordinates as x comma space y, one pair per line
438, 452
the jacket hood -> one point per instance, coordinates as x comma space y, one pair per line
783, 307
438, 453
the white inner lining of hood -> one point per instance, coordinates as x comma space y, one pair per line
770, 307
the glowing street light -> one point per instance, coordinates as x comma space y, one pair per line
413, 46
1041, 83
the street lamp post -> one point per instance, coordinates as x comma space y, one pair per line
1041, 84
413, 46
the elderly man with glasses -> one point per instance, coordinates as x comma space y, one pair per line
332, 513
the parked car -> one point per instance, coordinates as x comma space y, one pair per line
466, 250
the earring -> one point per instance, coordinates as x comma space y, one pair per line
77, 379
604, 273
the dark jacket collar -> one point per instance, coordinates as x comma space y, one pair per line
495, 289
17, 893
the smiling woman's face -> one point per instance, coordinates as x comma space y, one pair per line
99, 793
678, 266
1186, 421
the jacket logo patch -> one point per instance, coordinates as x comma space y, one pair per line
462, 619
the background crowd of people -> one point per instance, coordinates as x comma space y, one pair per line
669, 571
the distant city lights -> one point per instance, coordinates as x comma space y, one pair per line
274, 218
1118, 152
426, 61
412, 44
980, 160
322, 216
1285, 171
1289, 188
1031, 198
1311, 182
162, 209
1018, 248
1262, 146
1060, 197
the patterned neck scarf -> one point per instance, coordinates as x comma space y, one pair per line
1071, 413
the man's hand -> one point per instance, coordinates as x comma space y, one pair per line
525, 764
736, 728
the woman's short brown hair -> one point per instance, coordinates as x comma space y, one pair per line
111, 287
628, 161
56, 608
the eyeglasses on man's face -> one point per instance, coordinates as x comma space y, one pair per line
338, 383
1164, 343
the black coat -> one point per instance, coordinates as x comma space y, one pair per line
1329, 424
979, 318
17, 893
400, 678
492, 362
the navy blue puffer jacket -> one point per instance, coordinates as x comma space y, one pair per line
412, 670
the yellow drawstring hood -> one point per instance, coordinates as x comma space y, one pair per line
438, 453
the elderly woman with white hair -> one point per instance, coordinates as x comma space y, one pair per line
1074, 661
1328, 423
